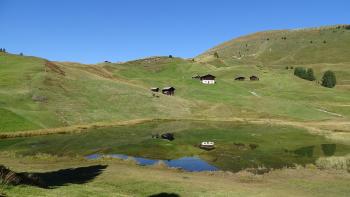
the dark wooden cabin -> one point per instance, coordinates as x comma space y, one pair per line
240, 78
168, 91
254, 78
155, 89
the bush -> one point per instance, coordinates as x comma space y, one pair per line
329, 80
307, 74
216, 54
310, 74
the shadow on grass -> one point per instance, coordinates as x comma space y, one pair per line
165, 195
51, 180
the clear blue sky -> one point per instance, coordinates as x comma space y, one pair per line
92, 31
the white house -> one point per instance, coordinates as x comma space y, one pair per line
208, 79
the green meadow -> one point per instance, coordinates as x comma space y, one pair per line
297, 129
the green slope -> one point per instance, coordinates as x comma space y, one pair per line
300, 46
35, 94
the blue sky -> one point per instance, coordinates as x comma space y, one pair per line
92, 31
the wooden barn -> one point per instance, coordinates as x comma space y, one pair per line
254, 78
168, 91
196, 77
208, 79
154, 89
240, 78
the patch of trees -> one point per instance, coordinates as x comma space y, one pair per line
307, 74
343, 26
329, 80
170, 56
3, 50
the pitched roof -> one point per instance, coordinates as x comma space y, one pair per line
208, 76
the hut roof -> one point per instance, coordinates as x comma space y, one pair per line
168, 88
208, 76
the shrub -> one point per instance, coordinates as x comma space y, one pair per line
216, 54
300, 72
310, 74
307, 74
329, 80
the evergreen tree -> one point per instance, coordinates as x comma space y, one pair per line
329, 80
310, 75
300, 72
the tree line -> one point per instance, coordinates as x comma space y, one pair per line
328, 79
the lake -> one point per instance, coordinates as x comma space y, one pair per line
238, 145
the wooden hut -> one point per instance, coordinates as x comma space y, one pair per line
254, 78
208, 79
196, 77
154, 89
168, 91
240, 78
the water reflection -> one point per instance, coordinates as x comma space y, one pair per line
192, 164
329, 149
307, 151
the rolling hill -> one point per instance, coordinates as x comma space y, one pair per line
37, 93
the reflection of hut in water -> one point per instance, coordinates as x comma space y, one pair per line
207, 145
307, 151
168, 136
329, 149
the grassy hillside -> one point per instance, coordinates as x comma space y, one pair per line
299, 46
38, 94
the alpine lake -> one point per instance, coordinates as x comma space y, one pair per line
238, 146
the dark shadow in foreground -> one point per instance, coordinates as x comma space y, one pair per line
165, 195
58, 178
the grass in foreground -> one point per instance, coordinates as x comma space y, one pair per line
125, 179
